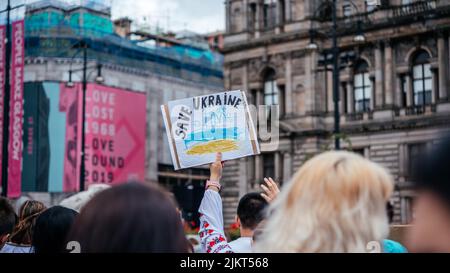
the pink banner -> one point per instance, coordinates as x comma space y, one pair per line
16, 110
70, 102
115, 135
2, 88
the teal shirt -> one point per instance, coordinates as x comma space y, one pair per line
390, 246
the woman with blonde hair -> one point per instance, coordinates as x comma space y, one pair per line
336, 202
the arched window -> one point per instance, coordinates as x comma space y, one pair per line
362, 87
271, 91
422, 78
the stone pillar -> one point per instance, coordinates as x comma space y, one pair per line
409, 90
435, 81
342, 102
287, 167
287, 10
288, 87
398, 91
372, 96
258, 169
443, 68
350, 97
379, 78
330, 101
243, 174
258, 19
278, 166
228, 16
245, 15
389, 75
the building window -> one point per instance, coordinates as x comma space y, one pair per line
269, 165
416, 152
371, 5
271, 94
362, 87
347, 9
252, 18
269, 11
422, 78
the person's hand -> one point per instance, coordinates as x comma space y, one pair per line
216, 168
271, 190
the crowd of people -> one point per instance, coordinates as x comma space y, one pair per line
336, 202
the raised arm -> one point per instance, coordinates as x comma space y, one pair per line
211, 231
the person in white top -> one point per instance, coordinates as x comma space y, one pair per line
250, 213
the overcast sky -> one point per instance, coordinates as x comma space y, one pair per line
197, 15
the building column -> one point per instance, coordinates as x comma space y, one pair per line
409, 90
227, 16
435, 84
443, 67
398, 91
245, 17
258, 169
287, 167
350, 97
258, 19
330, 97
278, 14
278, 165
342, 101
389, 76
243, 174
288, 86
287, 10
379, 79
374, 91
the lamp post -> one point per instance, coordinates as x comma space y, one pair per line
335, 52
82, 45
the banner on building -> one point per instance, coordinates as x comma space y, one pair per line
2, 89
197, 128
16, 109
115, 136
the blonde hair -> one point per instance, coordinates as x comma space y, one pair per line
336, 202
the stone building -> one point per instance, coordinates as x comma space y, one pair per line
394, 84
163, 73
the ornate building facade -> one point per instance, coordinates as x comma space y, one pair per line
394, 84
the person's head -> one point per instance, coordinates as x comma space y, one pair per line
7, 220
431, 228
250, 211
131, 218
51, 229
23, 232
80, 199
336, 202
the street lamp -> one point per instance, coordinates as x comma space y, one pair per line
335, 51
82, 45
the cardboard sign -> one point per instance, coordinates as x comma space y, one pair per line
197, 128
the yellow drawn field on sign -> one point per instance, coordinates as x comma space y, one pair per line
222, 145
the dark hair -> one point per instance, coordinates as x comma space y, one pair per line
7, 217
251, 210
131, 218
23, 232
433, 171
51, 229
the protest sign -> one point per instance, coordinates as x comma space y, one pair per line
197, 128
